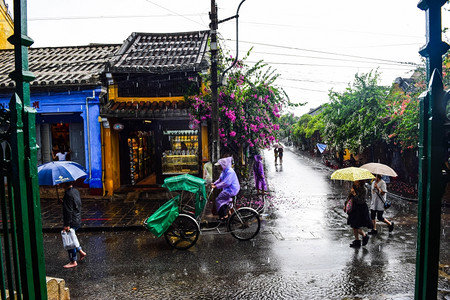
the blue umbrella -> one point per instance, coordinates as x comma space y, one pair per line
57, 172
321, 147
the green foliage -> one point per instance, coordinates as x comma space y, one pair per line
300, 126
352, 118
402, 108
250, 105
287, 122
316, 124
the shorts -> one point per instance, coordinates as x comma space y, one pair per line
377, 213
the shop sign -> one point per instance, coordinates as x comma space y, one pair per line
118, 126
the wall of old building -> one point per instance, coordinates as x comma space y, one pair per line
6, 26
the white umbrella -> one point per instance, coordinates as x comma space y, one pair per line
380, 169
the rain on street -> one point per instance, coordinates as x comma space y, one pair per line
302, 252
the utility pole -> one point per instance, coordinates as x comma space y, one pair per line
215, 146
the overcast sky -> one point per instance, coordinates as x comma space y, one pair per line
315, 45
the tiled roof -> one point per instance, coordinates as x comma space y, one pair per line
136, 109
162, 52
62, 66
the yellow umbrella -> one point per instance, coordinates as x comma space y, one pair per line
352, 174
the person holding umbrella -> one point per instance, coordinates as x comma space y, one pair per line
379, 191
358, 217
72, 219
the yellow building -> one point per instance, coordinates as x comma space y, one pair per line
6, 26
146, 130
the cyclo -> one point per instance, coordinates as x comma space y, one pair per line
179, 218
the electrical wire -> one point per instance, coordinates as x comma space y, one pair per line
325, 52
328, 29
165, 8
327, 66
108, 17
322, 58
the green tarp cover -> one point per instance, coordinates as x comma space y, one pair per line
191, 184
161, 219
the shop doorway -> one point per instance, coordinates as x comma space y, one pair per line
60, 139
138, 158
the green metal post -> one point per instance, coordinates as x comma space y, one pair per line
24, 169
432, 149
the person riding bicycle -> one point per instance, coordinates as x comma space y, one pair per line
229, 183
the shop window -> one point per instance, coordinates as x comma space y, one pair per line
180, 154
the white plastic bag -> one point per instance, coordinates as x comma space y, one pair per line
70, 240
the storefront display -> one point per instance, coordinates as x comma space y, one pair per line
180, 155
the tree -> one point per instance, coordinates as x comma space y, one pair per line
402, 108
352, 118
287, 122
250, 105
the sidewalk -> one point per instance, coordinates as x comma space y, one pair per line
100, 214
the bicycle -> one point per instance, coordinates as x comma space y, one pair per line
185, 210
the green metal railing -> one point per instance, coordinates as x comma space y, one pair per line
433, 146
22, 255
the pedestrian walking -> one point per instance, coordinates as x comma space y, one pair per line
280, 154
358, 217
258, 174
275, 153
72, 219
379, 191
229, 184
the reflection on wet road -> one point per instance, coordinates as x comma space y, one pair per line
302, 252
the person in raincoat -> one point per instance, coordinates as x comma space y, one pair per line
258, 173
229, 184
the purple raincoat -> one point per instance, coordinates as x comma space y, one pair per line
227, 181
258, 173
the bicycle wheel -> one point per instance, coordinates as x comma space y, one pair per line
183, 233
244, 224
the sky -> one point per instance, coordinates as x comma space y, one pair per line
315, 46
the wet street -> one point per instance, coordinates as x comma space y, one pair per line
302, 252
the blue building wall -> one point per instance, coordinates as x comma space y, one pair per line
69, 107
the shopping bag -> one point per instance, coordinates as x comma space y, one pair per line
69, 239
161, 219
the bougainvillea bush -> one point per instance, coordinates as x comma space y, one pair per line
250, 105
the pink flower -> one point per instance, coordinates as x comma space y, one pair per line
232, 133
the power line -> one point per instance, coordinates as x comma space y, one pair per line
165, 8
328, 29
327, 66
303, 89
324, 58
109, 17
325, 52
312, 81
